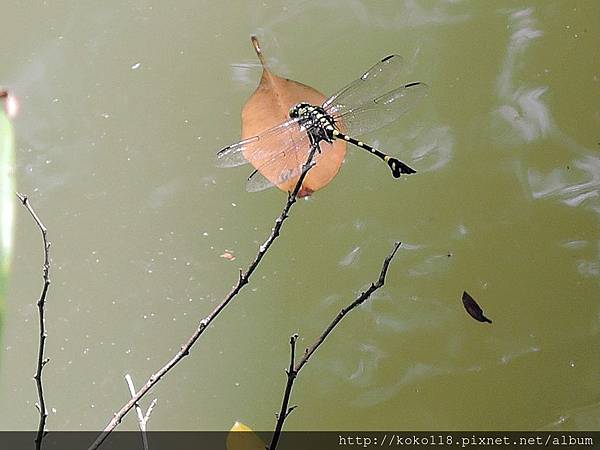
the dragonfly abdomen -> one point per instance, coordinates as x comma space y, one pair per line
339, 135
397, 167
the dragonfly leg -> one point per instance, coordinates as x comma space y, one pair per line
314, 140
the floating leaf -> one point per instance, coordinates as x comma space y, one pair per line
473, 308
269, 106
7, 191
228, 255
241, 437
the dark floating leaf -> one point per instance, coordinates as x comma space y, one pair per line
473, 308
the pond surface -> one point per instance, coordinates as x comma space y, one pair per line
123, 105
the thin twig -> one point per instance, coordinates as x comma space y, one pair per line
293, 370
149, 410
204, 323
142, 419
284, 411
41, 304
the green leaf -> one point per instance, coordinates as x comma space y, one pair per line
7, 197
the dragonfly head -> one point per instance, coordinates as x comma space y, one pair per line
299, 110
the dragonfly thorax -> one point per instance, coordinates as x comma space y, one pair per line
314, 120
300, 109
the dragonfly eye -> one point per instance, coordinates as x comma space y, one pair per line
297, 110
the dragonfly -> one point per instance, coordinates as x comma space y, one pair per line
368, 103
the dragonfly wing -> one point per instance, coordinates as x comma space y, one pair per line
375, 82
233, 155
380, 111
257, 182
256, 148
282, 167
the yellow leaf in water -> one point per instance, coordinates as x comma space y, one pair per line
241, 437
269, 106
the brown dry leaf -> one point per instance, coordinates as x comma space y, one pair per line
268, 106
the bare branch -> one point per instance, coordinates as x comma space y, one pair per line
41, 304
359, 300
293, 371
149, 410
291, 374
142, 419
244, 278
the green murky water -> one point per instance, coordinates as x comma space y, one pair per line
123, 106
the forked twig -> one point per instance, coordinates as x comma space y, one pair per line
142, 418
204, 323
293, 370
41, 304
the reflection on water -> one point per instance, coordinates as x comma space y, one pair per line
433, 147
584, 418
416, 374
245, 74
368, 363
590, 265
351, 257
163, 195
413, 13
507, 358
531, 119
432, 265
524, 109
575, 185
529, 116
386, 14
